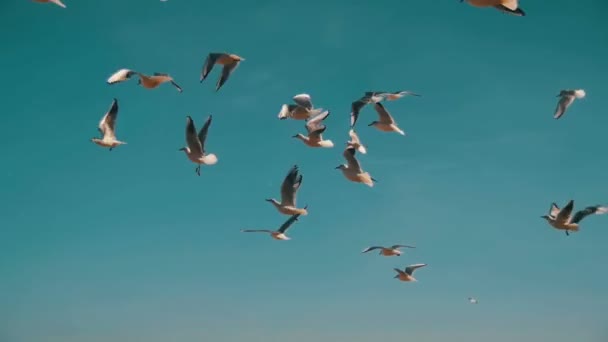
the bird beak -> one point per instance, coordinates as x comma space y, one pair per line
268, 200
294, 136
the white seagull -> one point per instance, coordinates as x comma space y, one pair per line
564, 220
352, 169
407, 274
121, 76
385, 121
473, 300
315, 130
56, 2
355, 142
289, 189
196, 145
276, 234
505, 6
107, 128
566, 99
388, 251
302, 109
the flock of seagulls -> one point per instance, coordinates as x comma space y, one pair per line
302, 109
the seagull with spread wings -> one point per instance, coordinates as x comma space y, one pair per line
564, 220
352, 169
107, 128
378, 96
315, 129
151, 82
567, 97
406, 275
121, 75
229, 62
56, 2
276, 234
196, 144
289, 189
385, 122
388, 251
301, 109
505, 6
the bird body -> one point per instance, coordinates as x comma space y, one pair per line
276, 234
229, 62
302, 109
107, 128
406, 275
352, 169
567, 97
387, 251
151, 82
385, 121
564, 220
289, 189
195, 149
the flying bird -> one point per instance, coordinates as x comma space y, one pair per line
407, 274
315, 130
352, 169
56, 2
505, 6
385, 121
121, 76
107, 128
473, 300
289, 190
276, 234
151, 82
564, 220
229, 62
378, 96
566, 99
196, 144
388, 251
355, 142
303, 108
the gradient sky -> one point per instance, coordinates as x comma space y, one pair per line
131, 245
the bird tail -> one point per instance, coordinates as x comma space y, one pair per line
210, 159
580, 93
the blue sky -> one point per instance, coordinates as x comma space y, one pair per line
131, 245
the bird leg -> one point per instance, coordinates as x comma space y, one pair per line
111, 149
567, 234
198, 170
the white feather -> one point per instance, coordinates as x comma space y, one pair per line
580, 93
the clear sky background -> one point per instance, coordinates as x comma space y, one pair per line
131, 245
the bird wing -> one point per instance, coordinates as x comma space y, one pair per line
566, 212
290, 187
120, 76
226, 72
194, 144
404, 246
355, 109
354, 138
209, 64
411, 268
202, 134
405, 92
314, 125
581, 214
554, 210
562, 105
256, 231
371, 249
349, 155
383, 114
58, 3
108, 122
288, 223
303, 100
510, 4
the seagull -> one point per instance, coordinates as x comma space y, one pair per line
563, 219
472, 300
385, 123
289, 189
151, 82
355, 142
315, 130
566, 99
56, 2
107, 128
196, 144
278, 234
302, 109
121, 76
407, 274
505, 6
352, 170
378, 96
388, 251
229, 61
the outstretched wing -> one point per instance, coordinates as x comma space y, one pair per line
226, 72
314, 125
596, 209
383, 115
192, 140
554, 210
209, 64
404, 246
256, 231
288, 223
290, 187
202, 134
411, 268
371, 249
303, 100
349, 155
566, 212
355, 108
562, 105
108, 122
